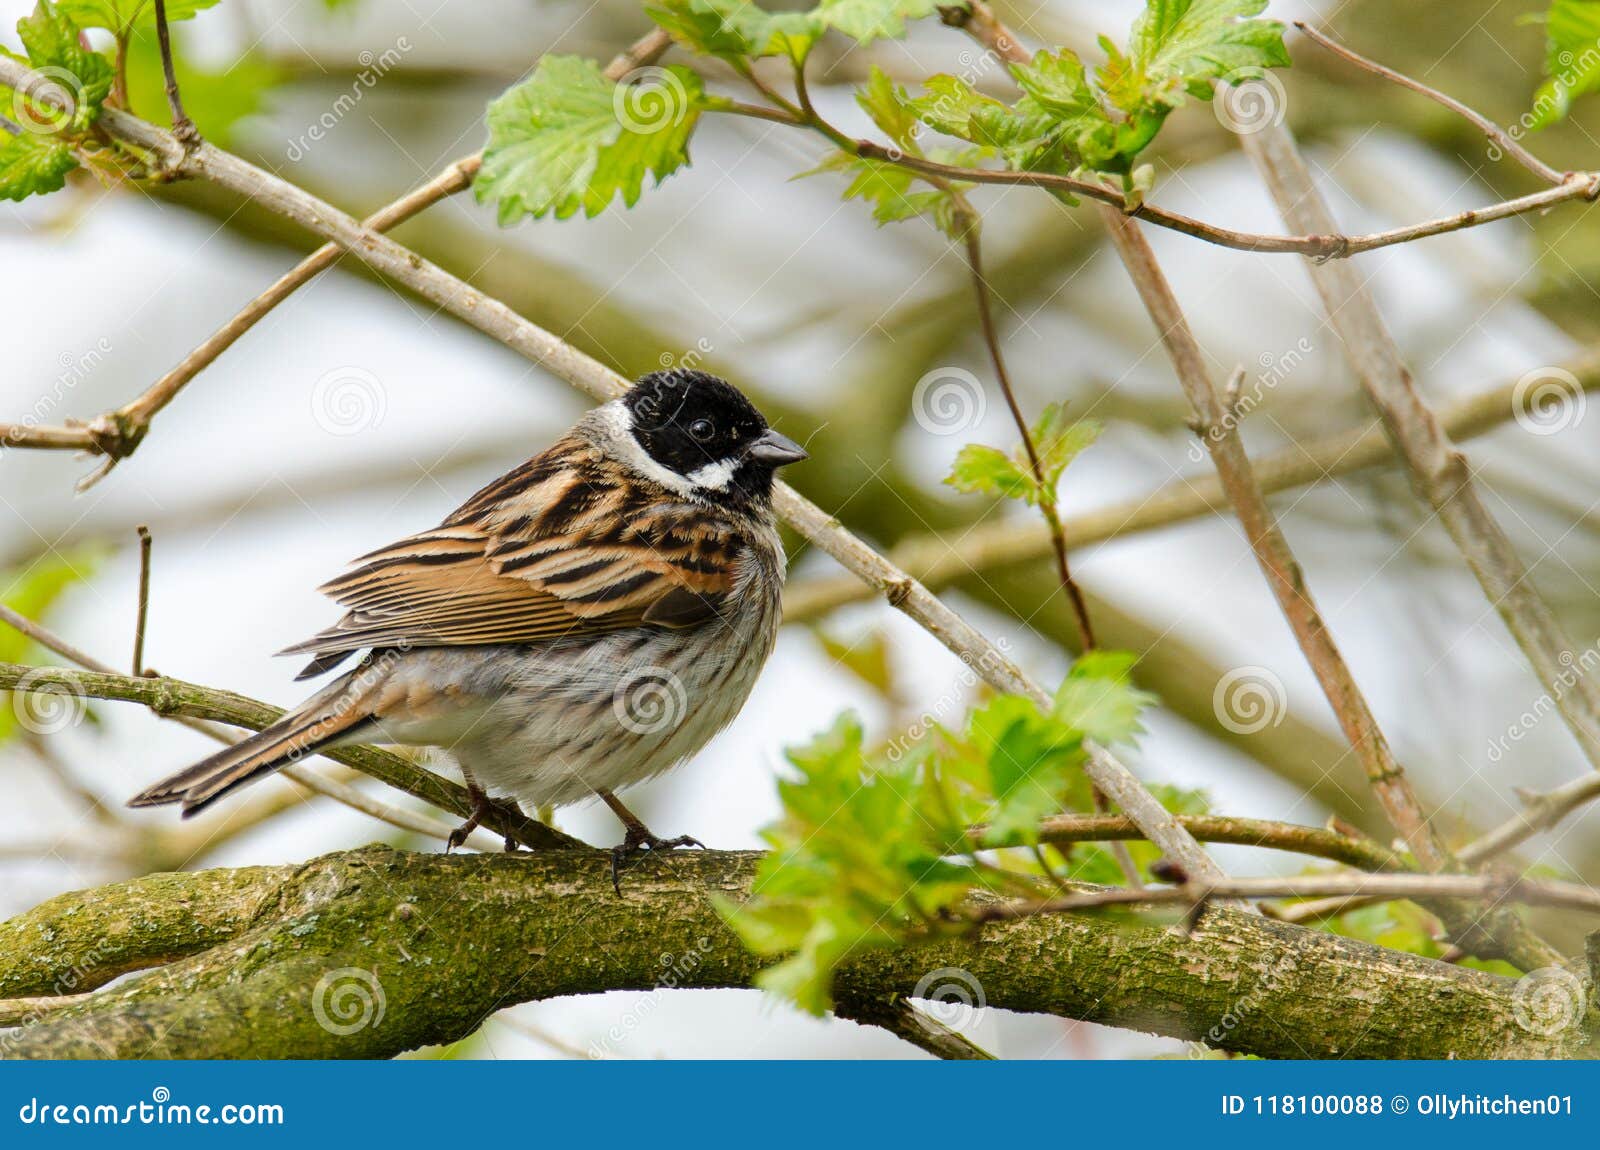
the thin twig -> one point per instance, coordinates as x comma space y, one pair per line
1540, 812
566, 362
1492, 889
939, 560
1047, 501
1317, 842
144, 600
1496, 135
182, 127
117, 434
190, 705
1438, 470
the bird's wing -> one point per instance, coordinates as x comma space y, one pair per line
561, 547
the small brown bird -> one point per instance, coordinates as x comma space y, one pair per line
584, 622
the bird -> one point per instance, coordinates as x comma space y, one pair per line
583, 623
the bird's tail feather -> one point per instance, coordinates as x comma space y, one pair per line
325, 719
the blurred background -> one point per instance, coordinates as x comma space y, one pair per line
356, 413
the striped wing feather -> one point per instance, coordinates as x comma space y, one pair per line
561, 547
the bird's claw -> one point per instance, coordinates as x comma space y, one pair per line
640, 841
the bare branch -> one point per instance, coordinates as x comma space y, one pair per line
182, 127
1496, 135
1440, 473
144, 600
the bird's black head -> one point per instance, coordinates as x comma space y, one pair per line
709, 439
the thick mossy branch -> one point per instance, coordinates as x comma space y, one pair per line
371, 952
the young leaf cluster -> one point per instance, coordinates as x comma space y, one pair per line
44, 124
876, 846
986, 470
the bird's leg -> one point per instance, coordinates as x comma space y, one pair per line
481, 805
637, 839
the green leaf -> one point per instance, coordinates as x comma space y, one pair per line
1057, 92
990, 471
736, 29
567, 138
55, 48
1572, 58
1059, 441
1098, 700
867, 20
891, 110
32, 165
121, 16
1178, 47
32, 592
1035, 765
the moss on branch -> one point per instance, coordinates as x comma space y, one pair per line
371, 952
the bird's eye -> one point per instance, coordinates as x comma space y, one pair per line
701, 429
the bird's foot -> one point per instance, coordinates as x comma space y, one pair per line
482, 805
639, 841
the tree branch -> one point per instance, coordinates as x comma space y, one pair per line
939, 560
1440, 473
494, 318
381, 946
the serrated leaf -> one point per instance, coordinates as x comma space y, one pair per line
891, 109
1058, 92
567, 138
33, 165
1035, 766
1572, 64
736, 29
867, 20
1098, 699
1178, 47
1059, 441
986, 470
121, 16
55, 48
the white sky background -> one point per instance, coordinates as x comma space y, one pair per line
724, 252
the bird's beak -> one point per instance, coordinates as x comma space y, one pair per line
775, 450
